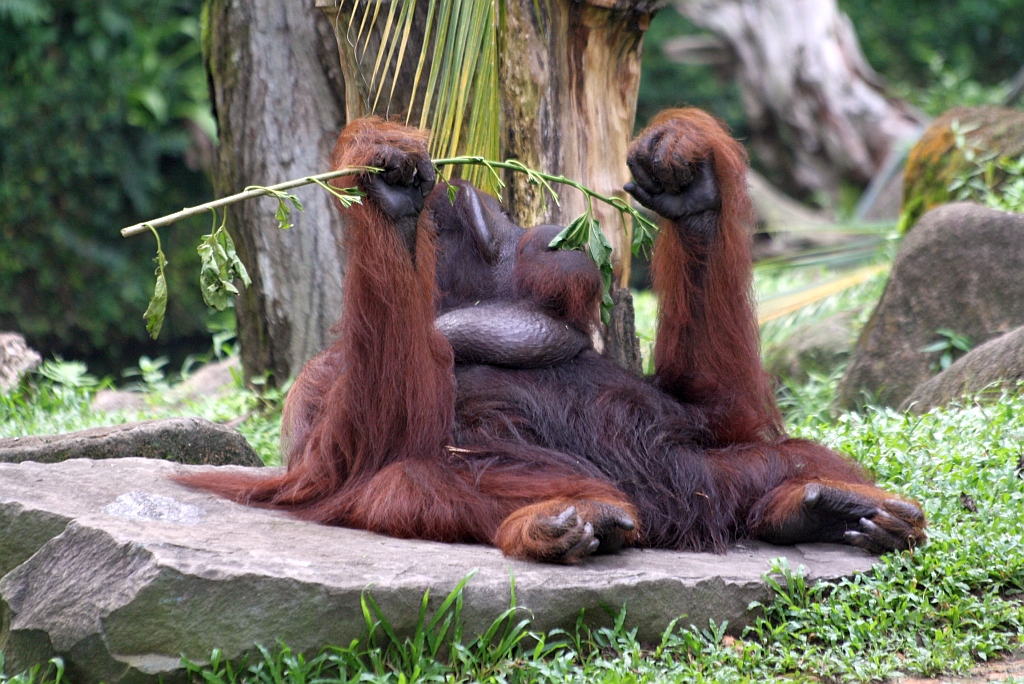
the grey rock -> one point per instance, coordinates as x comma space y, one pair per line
117, 400
997, 363
184, 440
960, 268
16, 359
143, 506
120, 571
816, 347
212, 380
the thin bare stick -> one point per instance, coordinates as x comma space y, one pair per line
231, 199
644, 235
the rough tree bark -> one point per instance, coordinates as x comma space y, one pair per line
818, 113
278, 96
568, 82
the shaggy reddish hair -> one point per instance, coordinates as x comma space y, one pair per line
384, 432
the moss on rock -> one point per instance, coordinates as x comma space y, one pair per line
935, 161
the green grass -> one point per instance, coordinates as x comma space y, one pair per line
941, 609
57, 400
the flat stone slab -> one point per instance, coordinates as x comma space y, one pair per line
192, 440
120, 571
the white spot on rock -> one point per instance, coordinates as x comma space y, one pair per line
143, 506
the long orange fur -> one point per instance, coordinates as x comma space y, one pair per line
376, 440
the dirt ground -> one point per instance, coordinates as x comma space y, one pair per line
1007, 669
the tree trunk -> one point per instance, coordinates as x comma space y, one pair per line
569, 82
278, 96
818, 112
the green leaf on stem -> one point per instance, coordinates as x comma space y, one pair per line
284, 212
601, 254
220, 267
157, 308
346, 196
573, 236
644, 232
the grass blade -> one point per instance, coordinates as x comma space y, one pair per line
788, 302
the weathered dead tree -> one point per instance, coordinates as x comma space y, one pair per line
278, 96
818, 112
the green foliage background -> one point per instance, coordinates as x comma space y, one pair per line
664, 83
981, 39
97, 99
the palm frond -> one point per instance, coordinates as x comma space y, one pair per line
458, 52
853, 263
401, 36
788, 302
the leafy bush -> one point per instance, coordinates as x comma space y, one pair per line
100, 103
989, 178
911, 41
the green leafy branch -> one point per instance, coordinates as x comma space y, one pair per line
221, 268
255, 191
